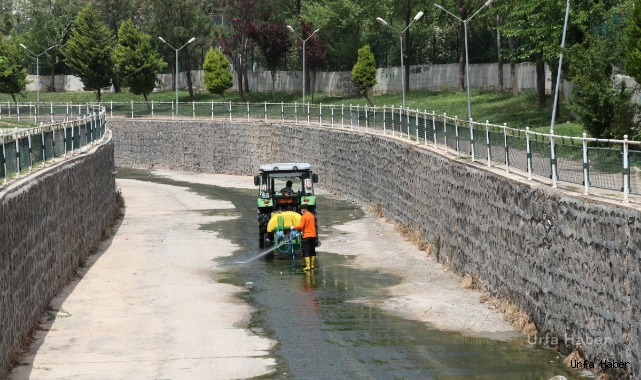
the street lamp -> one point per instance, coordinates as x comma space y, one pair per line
37, 69
304, 41
188, 42
467, 65
558, 76
380, 20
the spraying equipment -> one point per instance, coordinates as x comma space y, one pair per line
283, 187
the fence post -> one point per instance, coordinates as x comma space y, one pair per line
351, 117
458, 151
307, 113
30, 154
4, 159
416, 125
358, 117
320, 114
282, 111
434, 127
64, 140
586, 180
50, 111
132, 109
265, 111
15, 135
18, 110
295, 113
111, 109
172, 109
384, 130
230, 113
366, 121
425, 126
342, 115
392, 120
152, 109
193, 110
72, 130
332, 116
375, 119
445, 132
626, 170
472, 138
507, 153
212, 110
487, 142
407, 113
552, 158
42, 139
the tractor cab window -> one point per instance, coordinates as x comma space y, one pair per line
287, 186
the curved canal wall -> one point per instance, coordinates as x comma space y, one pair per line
49, 222
572, 263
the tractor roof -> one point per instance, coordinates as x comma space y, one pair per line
292, 166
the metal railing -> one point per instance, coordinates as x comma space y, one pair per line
23, 150
589, 162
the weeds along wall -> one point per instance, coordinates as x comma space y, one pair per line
571, 263
49, 222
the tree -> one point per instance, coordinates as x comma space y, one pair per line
217, 76
364, 72
48, 23
273, 40
633, 47
315, 53
13, 76
89, 50
177, 21
136, 62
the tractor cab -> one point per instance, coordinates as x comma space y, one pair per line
282, 188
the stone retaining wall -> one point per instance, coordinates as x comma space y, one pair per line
571, 263
49, 221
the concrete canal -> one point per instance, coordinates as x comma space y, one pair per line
325, 324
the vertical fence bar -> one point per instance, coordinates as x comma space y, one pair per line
358, 117
42, 140
342, 115
528, 153
351, 117
30, 154
15, 136
132, 109
366, 121
212, 110
626, 170
472, 138
586, 181
552, 158
53, 148
332, 116
64, 140
320, 114
295, 113
193, 110
425, 126
111, 109
265, 112
172, 109
434, 127
384, 131
392, 113
307, 113
50, 111
18, 110
458, 151
445, 132
4, 159
282, 111
407, 113
507, 156
487, 142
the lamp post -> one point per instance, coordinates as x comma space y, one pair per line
558, 76
304, 42
400, 34
188, 42
37, 71
467, 65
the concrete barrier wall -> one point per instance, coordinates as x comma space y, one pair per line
573, 264
48, 222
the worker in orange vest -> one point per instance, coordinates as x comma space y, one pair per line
307, 226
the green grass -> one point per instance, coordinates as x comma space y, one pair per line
519, 112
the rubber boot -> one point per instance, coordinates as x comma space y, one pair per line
307, 264
313, 262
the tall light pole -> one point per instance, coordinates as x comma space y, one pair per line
37, 69
400, 34
467, 64
304, 41
558, 76
188, 42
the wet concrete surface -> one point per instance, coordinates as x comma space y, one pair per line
324, 331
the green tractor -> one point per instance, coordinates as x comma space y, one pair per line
283, 188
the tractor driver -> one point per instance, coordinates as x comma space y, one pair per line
307, 226
287, 190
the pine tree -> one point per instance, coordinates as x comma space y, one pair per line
217, 76
633, 52
136, 62
364, 72
89, 49
13, 74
